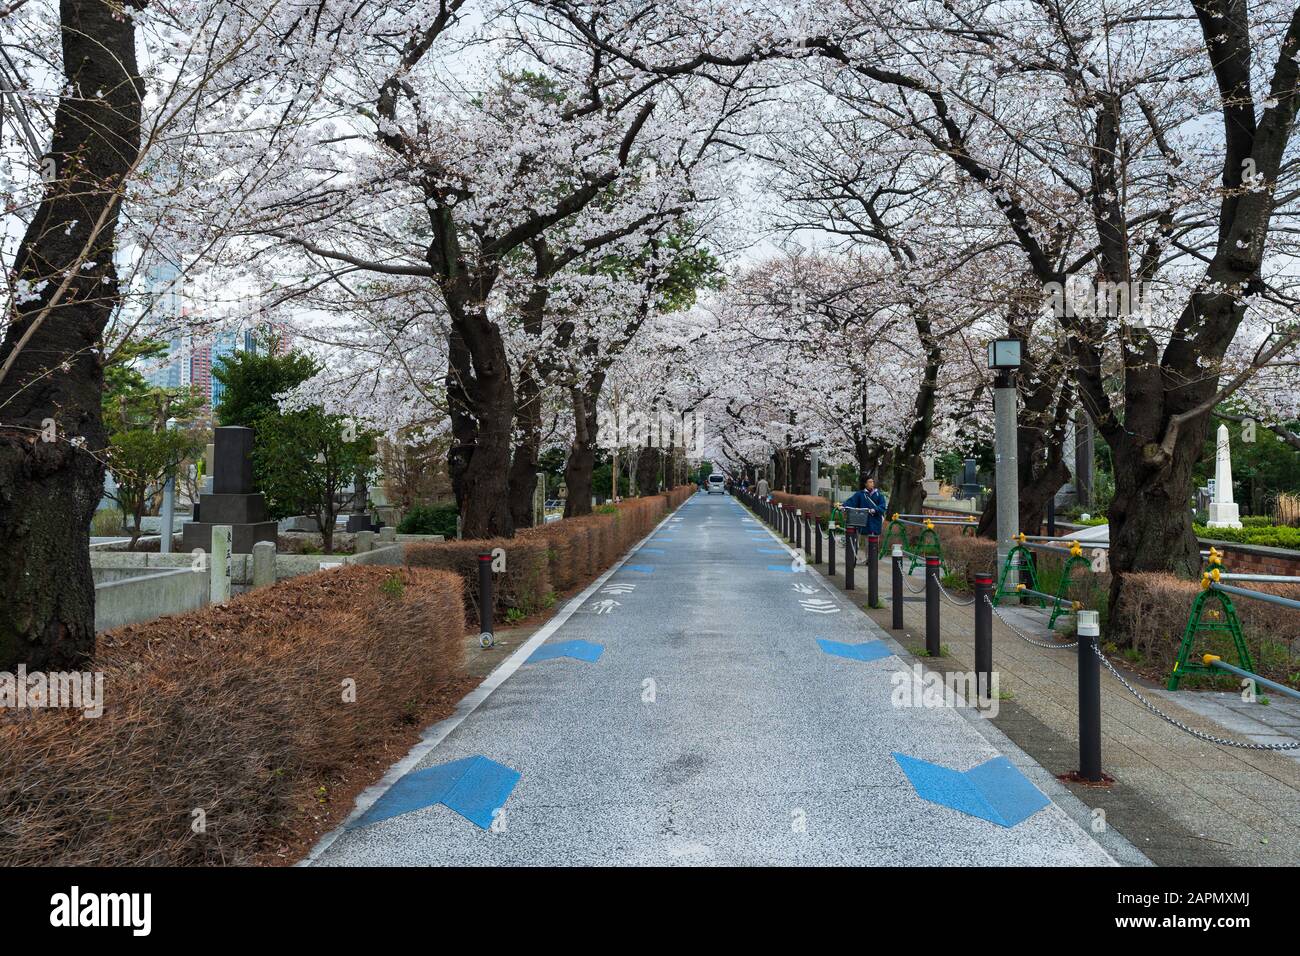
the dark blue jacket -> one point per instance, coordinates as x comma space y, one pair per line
875, 500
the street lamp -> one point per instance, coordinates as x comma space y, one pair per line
1004, 360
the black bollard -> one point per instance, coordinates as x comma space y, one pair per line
983, 635
932, 645
1089, 698
485, 634
818, 558
798, 528
830, 549
850, 556
873, 570
897, 585
807, 536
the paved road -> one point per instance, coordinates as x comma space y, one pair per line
714, 729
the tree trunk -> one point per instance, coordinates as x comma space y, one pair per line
648, 461
49, 489
526, 466
481, 406
582, 454
908, 495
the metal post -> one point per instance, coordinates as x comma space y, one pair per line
486, 636
818, 532
1051, 517
984, 635
830, 552
873, 570
1006, 479
897, 584
807, 536
798, 528
1089, 697
850, 556
932, 645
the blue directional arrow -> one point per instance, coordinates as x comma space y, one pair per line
995, 791
475, 787
652, 551
868, 651
772, 551
642, 568
578, 650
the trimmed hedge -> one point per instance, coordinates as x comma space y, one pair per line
237, 710
551, 558
524, 586
1154, 615
819, 506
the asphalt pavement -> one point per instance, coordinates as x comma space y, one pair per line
707, 701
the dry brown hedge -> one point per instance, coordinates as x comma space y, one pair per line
815, 504
525, 585
549, 559
236, 710
1155, 611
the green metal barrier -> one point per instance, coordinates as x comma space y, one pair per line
1203, 619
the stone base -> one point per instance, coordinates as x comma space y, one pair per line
198, 535
1224, 514
233, 509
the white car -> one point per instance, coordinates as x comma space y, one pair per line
716, 483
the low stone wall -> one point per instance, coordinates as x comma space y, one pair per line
107, 564
128, 598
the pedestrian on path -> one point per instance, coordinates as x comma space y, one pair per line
762, 487
875, 503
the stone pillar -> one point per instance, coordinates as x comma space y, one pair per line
363, 542
1223, 510
263, 564
387, 534
219, 592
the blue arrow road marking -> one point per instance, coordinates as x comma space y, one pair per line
781, 567
643, 568
474, 787
651, 551
995, 791
772, 551
868, 651
578, 650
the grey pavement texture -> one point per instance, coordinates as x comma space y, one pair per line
714, 730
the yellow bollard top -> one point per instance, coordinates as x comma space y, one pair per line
1076, 550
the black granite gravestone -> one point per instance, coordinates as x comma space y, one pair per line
232, 501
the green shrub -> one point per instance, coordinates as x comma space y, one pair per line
107, 523
1268, 536
430, 519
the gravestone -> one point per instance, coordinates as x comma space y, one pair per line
970, 486
928, 483
232, 500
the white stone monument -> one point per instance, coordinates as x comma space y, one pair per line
1223, 511
929, 483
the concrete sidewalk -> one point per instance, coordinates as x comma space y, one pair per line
715, 706
1179, 800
